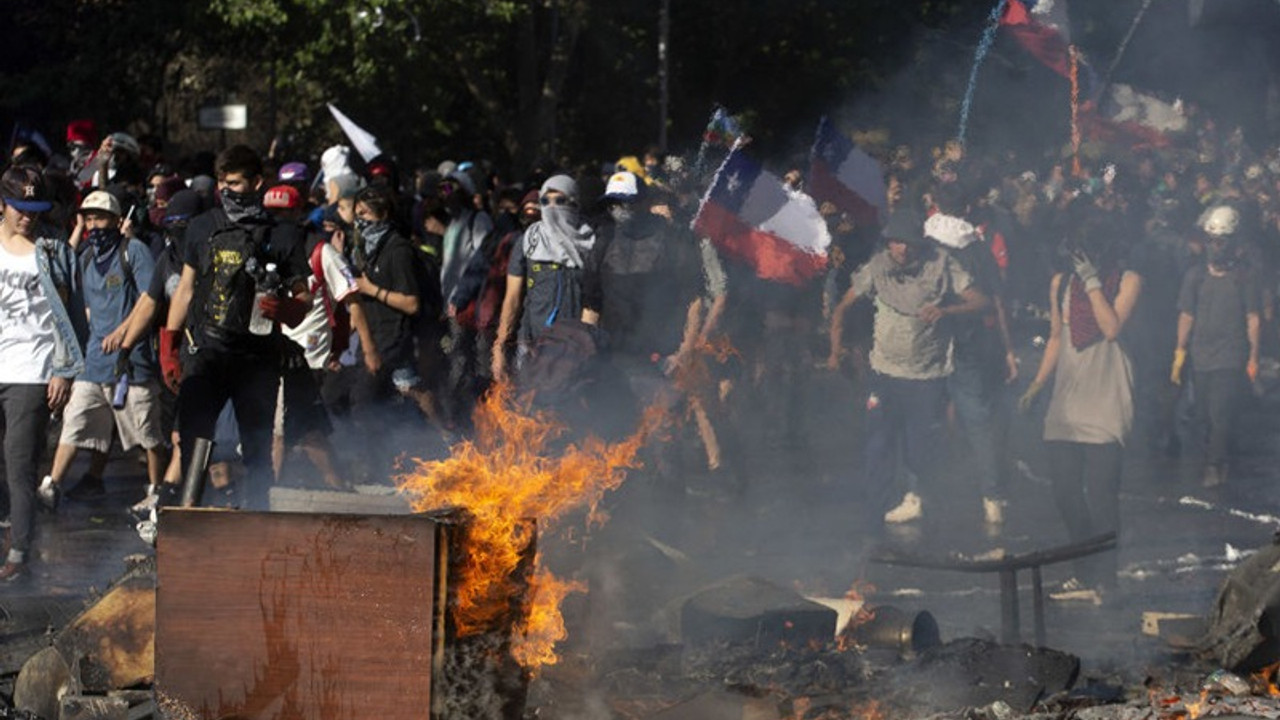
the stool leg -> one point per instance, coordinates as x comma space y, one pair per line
1009, 620
1037, 587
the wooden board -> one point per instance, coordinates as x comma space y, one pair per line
362, 501
290, 615
113, 641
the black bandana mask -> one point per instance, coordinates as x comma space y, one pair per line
243, 205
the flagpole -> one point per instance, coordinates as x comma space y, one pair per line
980, 54
1124, 45
702, 147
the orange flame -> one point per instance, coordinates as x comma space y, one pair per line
865, 613
1266, 680
508, 474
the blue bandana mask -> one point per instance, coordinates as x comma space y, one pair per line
372, 232
104, 242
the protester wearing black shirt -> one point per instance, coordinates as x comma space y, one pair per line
225, 358
391, 280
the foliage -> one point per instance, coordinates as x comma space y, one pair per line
509, 80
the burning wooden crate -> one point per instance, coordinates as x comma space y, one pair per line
271, 615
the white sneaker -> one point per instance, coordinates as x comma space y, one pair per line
993, 511
148, 502
909, 509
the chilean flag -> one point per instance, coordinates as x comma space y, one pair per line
847, 177
1045, 33
1046, 40
751, 216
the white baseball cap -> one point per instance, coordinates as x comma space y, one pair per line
623, 186
102, 201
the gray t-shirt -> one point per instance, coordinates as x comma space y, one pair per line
903, 345
1219, 338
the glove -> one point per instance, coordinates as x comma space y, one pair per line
1251, 369
1180, 359
170, 365
1029, 397
289, 311
1086, 271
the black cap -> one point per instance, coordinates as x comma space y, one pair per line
184, 205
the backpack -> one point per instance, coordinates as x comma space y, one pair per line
226, 288
563, 360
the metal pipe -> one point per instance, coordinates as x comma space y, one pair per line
194, 481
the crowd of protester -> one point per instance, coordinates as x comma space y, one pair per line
225, 313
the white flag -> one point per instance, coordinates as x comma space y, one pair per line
362, 140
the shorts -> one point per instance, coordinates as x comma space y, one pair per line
88, 419
300, 409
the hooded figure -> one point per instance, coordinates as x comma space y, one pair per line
561, 236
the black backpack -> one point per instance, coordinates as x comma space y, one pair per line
226, 283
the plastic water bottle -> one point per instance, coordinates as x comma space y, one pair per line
268, 284
121, 393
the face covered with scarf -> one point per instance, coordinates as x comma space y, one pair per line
242, 197
102, 233
560, 236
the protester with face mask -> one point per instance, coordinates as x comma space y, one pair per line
148, 319
1219, 321
243, 274
119, 389
465, 234
544, 273
643, 279
391, 287
42, 312
1090, 412
916, 287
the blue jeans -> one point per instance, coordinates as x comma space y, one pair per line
904, 419
971, 389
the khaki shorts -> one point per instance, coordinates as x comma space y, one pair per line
88, 419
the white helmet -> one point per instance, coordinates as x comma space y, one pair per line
1222, 220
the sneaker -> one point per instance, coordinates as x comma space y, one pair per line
89, 488
1075, 591
13, 572
148, 528
909, 509
49, 493
993, 511
144, 505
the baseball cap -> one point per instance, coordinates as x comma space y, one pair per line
622, 187
82, 131
293, 172
102, 201
182, 206
23, 188
282, 197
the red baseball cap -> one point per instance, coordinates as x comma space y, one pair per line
282, 197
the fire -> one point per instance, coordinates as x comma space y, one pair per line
857, 593
508, 474
1266, 679
1195, 708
